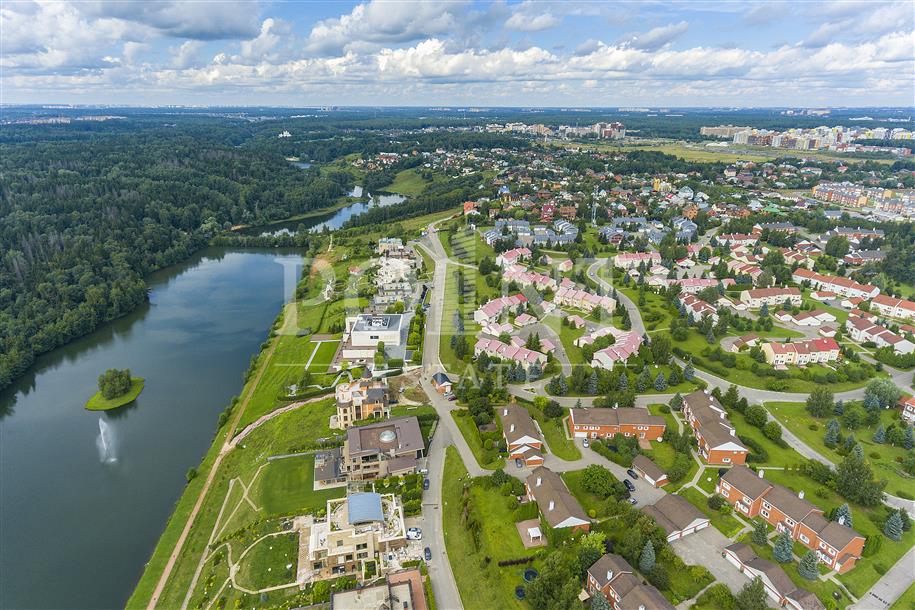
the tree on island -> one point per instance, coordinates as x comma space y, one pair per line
114, 382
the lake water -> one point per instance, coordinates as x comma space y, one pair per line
331, 221
76, 530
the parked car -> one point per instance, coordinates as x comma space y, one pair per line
628, 484
633, 501
452, 397
414, 533
427, 553
425, 483
585, 443
519, 463
632, 473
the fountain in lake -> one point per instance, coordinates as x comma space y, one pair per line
105, 443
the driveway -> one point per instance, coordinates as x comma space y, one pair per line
704, 548
891, 586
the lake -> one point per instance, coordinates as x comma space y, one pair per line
76, 530
333, 220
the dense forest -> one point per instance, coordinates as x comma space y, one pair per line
84, 219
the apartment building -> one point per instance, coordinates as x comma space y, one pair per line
697, 309
362, 399
522, 438
582, 299
382, 449
692, 285
604, 423
513, 256
627, 344
631, 260
801, 353
893, 307
861, 329
717, 437
512, 353
558, 506
840, 285
525, 278
614, 577
754, 299
493, 309
358, 529
835, 545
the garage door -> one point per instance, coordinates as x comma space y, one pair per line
581, 435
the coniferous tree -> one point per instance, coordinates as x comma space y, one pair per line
893, 527
647, 557
752, 596
832, 433
843, 515
660, 384
807, 567
784, 547
880, 435
760, 533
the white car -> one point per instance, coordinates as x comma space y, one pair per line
414, 533
585, 443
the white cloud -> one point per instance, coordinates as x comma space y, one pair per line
186, 55
209, 20
858, 21
658, 37
524, 22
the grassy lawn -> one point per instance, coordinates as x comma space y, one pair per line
587, 500
708, 479
664, 455
906, 601
287, 487
450, 309
323, 357
554, 434
567, 336
881, 456
867, 521
471, 434
408, 182
100, 403
265, 563
481, 586
822, 589
726, 524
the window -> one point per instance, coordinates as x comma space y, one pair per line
764, 513
725, 460
339, 543
804, 539
766, 505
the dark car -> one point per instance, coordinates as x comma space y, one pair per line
427, 553
629, 485
519, 463
632, 473
425, 483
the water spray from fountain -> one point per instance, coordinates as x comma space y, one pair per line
105, 443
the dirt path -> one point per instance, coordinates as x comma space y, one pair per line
226, 447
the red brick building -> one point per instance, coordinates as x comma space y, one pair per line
603, 423
718, 442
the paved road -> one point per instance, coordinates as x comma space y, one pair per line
634, 316
891, 586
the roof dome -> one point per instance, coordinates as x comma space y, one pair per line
387, 436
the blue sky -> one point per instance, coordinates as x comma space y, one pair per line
522, 53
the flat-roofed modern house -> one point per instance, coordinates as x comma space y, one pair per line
836, 545
365, 331
677, 516
522, 438
386, 448
614, 577
401, 590
718, 442
604, 423
779, 587
558, 506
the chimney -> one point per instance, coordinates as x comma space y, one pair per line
800, 494
539, 481
512, 428
552, 505
609, 575
760, 474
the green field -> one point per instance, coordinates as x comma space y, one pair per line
883, 457
100, 403
286, 487
906, 601
465, 310
265, 564
482, 584
321, 360
410, 183
554, 432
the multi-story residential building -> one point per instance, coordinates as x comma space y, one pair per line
361, 399
755, 298
893, 307
697, 309
492, 310
402, 589
718, 442
582, 299
513, 353
801, 353
513, 256
627, 344
815, 317
521, 435
525, 278
378, 450
907, 409
835, 545
692, 285
862, 257
365, 331
614, 577
631, 260
855, 233
840, 285
738, 239
861, 329
782, 227
558, 506
605, 423
358, 529
778, 585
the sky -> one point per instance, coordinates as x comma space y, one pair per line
459, 53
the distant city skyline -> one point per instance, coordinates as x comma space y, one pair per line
459, 53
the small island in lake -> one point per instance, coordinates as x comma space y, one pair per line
116, 388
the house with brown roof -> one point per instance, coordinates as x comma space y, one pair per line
718, 442
835, 545
614, 577
677, 516
386, 448
604, 423
778, 586
557, 505
649, 471
521, 435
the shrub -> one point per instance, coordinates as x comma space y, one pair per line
715, 501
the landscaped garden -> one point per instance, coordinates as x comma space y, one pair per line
553, 428
485, 446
